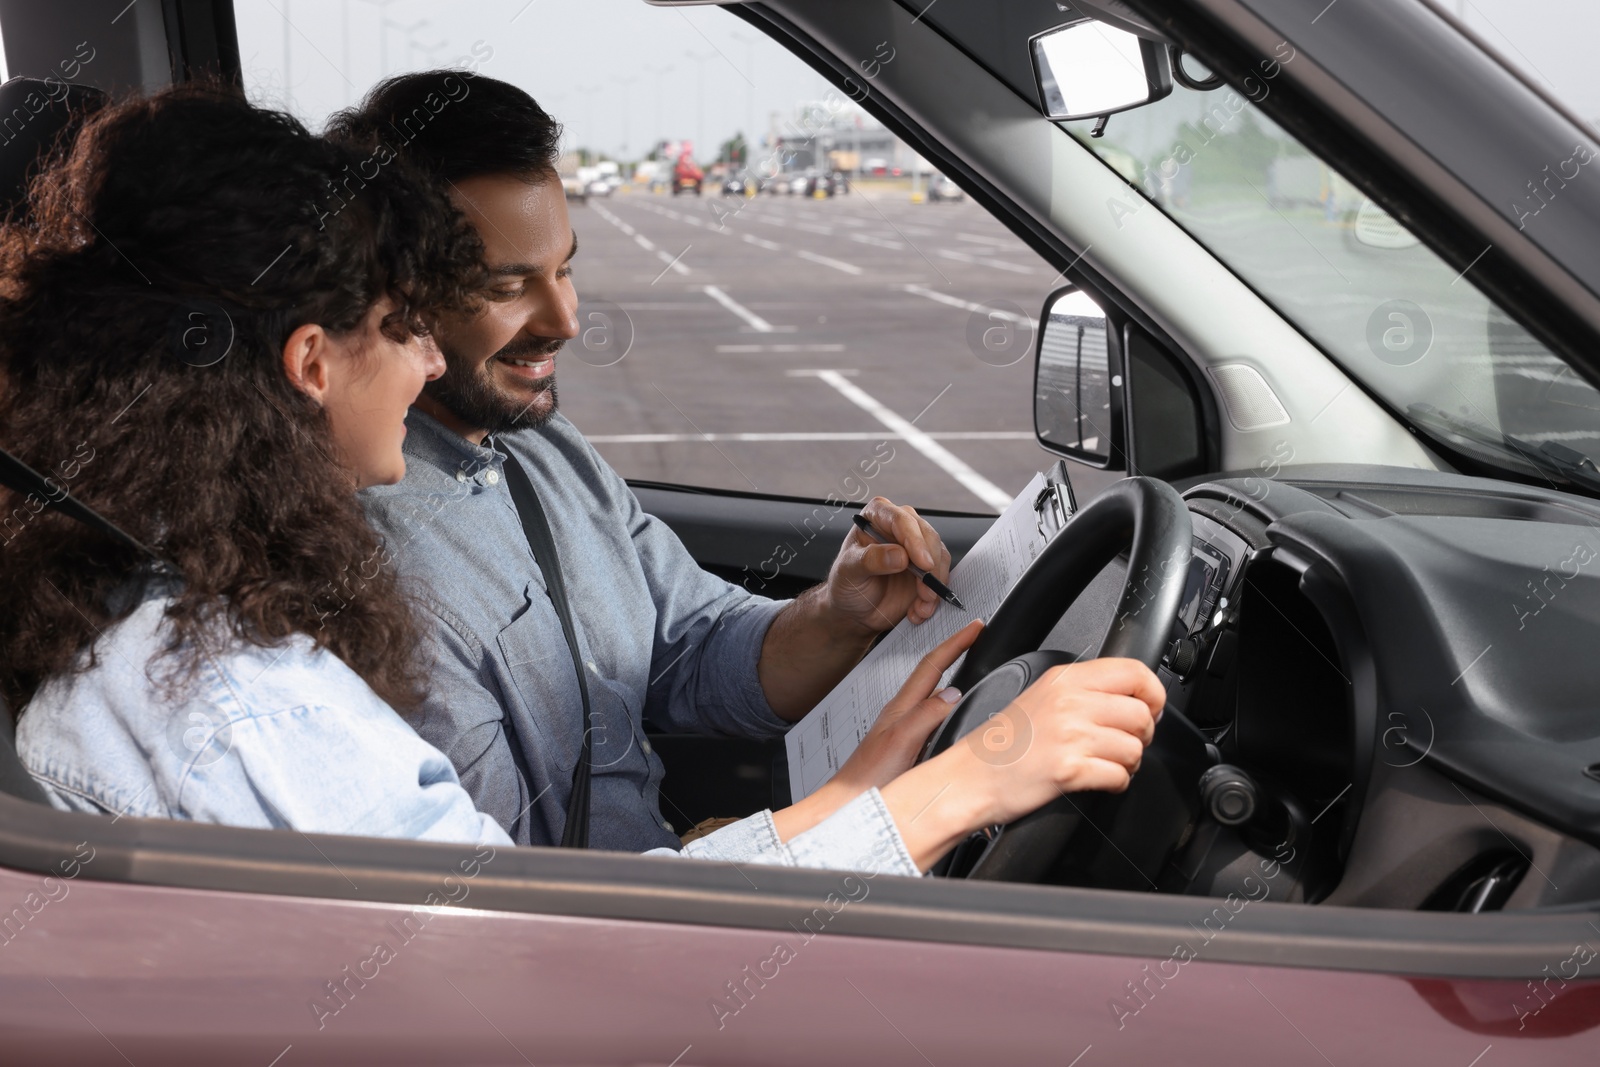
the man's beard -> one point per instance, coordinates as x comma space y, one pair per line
470, 393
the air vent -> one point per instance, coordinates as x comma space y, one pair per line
1251, 403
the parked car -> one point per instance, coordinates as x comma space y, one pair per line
1356, 539
813, 184
941, 188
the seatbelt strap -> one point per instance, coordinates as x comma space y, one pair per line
536, 526
19, 477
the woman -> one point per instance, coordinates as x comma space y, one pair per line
210, 332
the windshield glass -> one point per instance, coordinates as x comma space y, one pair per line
1412, 329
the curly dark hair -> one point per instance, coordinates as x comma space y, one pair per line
424, 115
223, 467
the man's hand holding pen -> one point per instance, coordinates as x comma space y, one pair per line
881, 576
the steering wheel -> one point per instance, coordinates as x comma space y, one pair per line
1146, 519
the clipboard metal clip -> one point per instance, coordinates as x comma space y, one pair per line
1055, 503
1054, 508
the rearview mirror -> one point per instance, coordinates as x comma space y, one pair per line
1077, 392
1089, 68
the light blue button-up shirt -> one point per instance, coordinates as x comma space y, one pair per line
662, 639
289, 737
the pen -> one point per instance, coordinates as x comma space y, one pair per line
865, 526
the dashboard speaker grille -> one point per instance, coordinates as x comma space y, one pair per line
1251, 403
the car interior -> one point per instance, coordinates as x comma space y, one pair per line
1315, 661
1377, 660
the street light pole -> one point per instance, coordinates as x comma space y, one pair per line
661, 134
700, 95
288, 81
749, 89
383, 38
625, 82
587, 93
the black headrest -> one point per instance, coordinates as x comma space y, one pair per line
34, 114
14, 777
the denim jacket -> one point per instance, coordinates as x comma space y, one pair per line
289, 737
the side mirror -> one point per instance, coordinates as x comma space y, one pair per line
1077, 385
1089, 68
1108, 394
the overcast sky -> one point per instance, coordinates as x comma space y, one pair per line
615, 72
620, 73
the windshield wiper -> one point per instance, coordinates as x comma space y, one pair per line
1548, 457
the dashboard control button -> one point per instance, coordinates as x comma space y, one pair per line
1185, 653
1229, 794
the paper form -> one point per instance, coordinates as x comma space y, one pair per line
819, 744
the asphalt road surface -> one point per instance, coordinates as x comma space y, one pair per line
790, 345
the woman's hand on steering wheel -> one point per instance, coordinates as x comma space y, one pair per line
1080, 726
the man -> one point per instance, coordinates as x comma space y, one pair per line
659, 637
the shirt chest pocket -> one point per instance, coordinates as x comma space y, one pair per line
538, 680
539, 670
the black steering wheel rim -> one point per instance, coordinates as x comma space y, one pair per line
1141, 516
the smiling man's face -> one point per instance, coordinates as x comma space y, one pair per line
501, 362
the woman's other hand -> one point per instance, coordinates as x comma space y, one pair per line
906, 722
891, 746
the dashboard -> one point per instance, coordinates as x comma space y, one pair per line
1393, 665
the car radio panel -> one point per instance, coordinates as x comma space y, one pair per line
1219, 556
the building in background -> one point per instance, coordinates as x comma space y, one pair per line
823, 138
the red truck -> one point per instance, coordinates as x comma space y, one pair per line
686, 175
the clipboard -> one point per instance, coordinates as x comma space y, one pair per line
819, 744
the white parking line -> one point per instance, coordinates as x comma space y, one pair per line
997, 264
986, 240
780, 348
644, 242
965, 305
921, 440
770, 246
757, 323
848, 268
869, 239
672, 262
688, 438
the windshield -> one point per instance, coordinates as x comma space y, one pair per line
1413, 330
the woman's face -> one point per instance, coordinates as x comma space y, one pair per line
366, 383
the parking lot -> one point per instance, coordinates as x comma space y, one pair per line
771, 344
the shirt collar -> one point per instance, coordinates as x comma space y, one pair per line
433, 443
